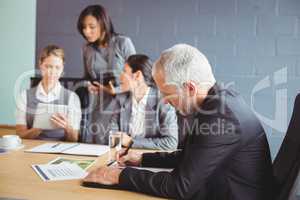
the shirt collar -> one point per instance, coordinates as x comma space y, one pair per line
52, 94
143, 101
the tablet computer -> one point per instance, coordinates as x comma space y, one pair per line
105, 78
44, 113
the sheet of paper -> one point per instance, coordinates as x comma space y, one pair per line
71, 148
82, 163
43, 115
52, 147
63, 171
88, 150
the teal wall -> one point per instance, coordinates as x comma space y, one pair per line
17, 52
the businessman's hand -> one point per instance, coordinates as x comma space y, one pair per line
104, 175
131, 159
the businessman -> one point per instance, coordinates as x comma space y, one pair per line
226, 155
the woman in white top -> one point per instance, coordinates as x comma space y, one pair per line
49, 91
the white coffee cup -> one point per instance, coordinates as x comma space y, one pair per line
10, 141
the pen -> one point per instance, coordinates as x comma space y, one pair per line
111, 163
55, 145
123, 154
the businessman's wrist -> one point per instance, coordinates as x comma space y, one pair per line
138, 159
114, 175
141, 160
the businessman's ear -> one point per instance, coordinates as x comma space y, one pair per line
191, 88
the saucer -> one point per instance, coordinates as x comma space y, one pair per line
13, 148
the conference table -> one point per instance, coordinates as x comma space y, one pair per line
19, 181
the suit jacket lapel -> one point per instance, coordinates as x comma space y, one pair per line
150, 110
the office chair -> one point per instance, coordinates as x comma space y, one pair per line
287, 162
83, 95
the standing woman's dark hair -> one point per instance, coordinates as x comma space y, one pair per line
105, 51
103, 19
141, 62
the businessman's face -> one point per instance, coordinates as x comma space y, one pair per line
173, 95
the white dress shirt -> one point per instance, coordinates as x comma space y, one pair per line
137, 120
74, 110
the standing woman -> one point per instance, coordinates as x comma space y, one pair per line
104, 55
106, 51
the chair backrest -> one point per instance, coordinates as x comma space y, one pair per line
287, 162
83, 95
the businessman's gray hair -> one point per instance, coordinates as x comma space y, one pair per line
182, 63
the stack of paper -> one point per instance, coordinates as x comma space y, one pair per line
71, 148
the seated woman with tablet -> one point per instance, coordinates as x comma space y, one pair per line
49, 111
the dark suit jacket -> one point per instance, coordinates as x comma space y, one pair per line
161, 129
226, 157
287, 162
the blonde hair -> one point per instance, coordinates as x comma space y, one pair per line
52, 50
